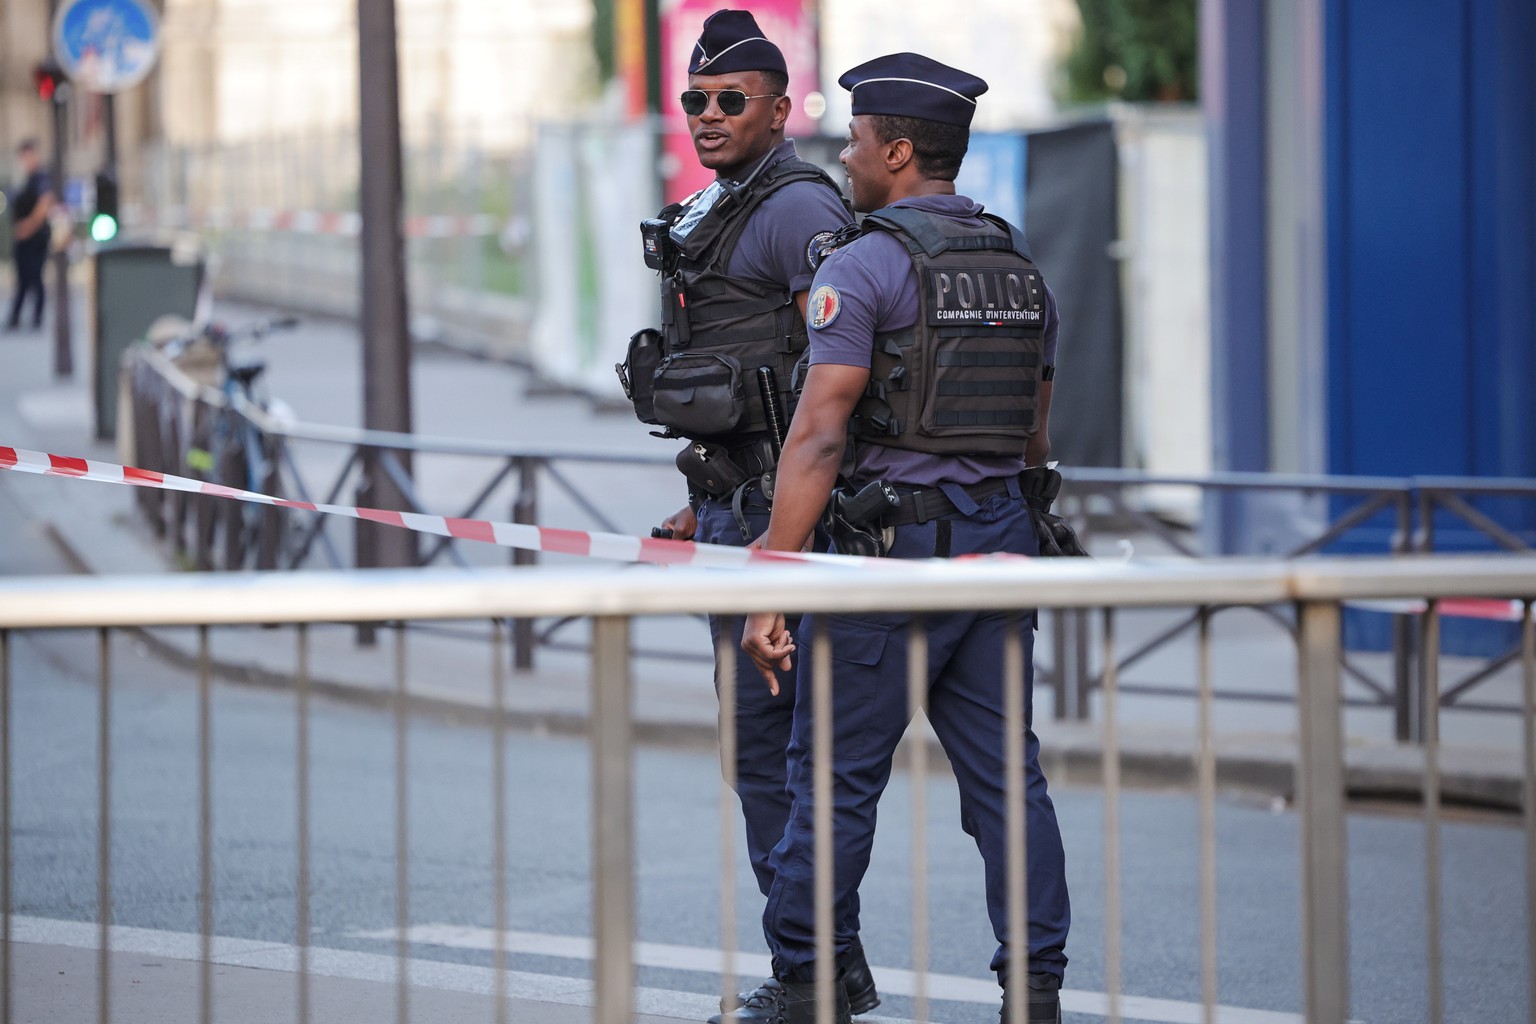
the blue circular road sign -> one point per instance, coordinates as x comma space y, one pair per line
106, 45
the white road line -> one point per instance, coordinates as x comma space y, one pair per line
547, 988
337, 963
891, 980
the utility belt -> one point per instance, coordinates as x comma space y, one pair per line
922, 504
860, 521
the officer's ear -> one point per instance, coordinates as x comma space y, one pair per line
898, 154
781, 109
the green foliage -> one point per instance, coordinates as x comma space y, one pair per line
602, 38
1135, 50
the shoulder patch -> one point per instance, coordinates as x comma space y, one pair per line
824, 306
818, 247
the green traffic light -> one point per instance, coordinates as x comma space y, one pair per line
103, 228
104, 222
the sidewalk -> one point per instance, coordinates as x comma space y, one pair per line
63, 982
316, 370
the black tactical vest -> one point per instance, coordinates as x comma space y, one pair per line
718, 331
964, 379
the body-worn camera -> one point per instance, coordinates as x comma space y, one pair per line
656, 236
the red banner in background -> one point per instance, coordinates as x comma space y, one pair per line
789, 24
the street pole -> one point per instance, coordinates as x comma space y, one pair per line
63, 357
109, 120
386, 337
653, 56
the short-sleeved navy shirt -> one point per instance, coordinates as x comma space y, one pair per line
24, 204
877, 291
33, 190
777, 243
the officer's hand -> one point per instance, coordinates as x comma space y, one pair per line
683, 523
760, 543
768, 643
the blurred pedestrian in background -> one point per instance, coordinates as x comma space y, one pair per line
30, 234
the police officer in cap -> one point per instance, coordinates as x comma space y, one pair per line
931, 330
736, 262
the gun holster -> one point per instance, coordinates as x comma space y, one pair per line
1039, 486
853, 518
849, 539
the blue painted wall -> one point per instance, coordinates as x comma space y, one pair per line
1431, 172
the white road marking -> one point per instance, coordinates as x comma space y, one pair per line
548, 988
890, 980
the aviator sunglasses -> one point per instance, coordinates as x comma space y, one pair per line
731, 101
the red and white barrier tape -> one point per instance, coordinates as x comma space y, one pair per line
1451, 607
615, 546
346, 223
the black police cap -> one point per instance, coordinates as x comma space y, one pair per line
911, 85
730, 42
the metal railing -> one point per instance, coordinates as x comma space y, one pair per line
1316, 589
170, 409
281, 215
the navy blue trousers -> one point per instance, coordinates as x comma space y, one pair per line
31, 258
763, 722
965, 705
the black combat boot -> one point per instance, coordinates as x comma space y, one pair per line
858, 982
786, 1002
1044, 1000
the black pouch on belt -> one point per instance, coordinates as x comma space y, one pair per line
709, 469
1039, 486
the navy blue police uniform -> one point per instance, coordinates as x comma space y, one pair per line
937, 299
732, 258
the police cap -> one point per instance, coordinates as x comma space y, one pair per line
911, 85
730, 42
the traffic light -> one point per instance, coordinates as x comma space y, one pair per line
49, 80
104, 222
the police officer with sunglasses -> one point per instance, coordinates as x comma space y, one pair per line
932, 328
735, 262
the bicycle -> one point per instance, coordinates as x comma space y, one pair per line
228, 447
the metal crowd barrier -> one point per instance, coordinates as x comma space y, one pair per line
170, 408
1316, 590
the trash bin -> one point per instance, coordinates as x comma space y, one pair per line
5, 224
135, 285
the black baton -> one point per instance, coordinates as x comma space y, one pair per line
768, 387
